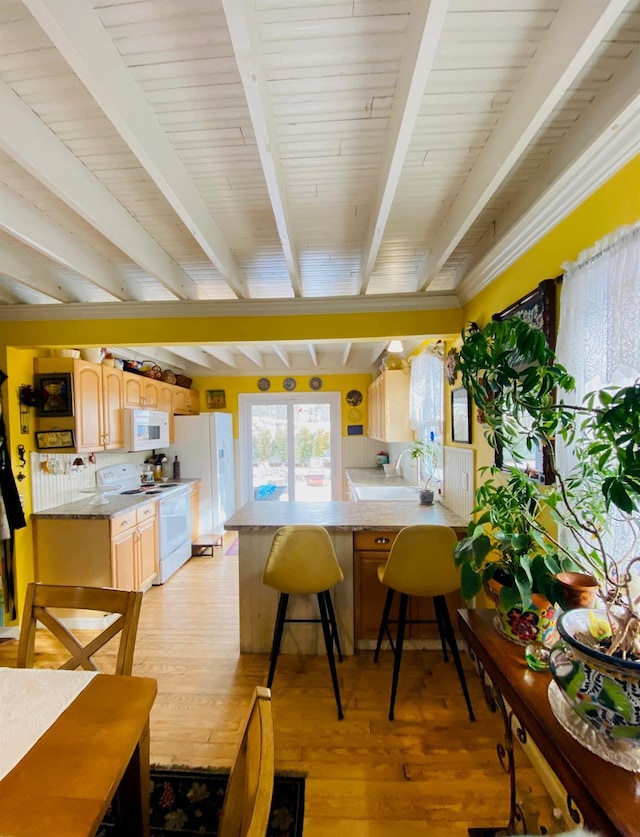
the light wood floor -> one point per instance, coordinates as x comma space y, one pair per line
429, 772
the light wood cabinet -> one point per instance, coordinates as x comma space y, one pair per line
389, 407
186, 402
98, 399
140, 391
370, 551
118, 552
165, 404
134, 552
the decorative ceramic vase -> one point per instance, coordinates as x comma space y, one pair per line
535, 623
604, 691
579, 589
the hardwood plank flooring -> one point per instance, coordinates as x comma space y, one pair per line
429, 772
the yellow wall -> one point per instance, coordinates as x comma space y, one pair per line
233, 387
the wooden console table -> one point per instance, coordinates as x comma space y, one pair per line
607, 797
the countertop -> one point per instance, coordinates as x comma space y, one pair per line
118, 504
340, 515
376, 476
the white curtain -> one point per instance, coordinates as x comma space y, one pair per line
426, 390
599, 331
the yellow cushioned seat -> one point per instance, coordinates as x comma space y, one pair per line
302, 561
420, 563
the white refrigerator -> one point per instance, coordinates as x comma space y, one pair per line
204, 445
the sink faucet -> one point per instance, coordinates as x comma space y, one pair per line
399, 458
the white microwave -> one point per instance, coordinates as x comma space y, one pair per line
146, 429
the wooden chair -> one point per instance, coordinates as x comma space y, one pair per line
247, 800
41, 598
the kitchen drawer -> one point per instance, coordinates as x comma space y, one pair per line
123, 522
372, 540
145, 512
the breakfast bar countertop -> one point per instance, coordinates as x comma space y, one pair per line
341, 516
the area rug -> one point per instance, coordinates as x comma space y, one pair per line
188, 800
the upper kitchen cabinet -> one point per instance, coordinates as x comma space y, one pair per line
98, 401
140, 391
389, 407
186, 402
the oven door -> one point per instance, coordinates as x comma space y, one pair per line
175, 523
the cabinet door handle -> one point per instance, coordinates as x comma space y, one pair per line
382, 540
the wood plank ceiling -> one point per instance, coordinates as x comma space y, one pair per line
228, 154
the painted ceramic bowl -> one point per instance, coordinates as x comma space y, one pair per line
604, 691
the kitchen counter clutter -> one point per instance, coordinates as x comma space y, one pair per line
362, 535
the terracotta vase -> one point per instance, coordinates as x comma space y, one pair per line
579, 589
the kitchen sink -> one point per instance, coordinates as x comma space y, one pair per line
385, 492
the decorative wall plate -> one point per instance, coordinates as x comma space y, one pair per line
289, 384
450, 361
315, 383
354, 415
354, 397
263, 384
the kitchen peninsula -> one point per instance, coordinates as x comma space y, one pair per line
358, 530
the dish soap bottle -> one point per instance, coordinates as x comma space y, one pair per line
176, 468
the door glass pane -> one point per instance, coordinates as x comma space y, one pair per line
312, 438
269, 437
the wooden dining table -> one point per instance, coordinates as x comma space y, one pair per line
97, 746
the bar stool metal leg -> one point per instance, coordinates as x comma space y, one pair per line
384, 624
440, 604
397, 657
328, 641
283, 601
334, 624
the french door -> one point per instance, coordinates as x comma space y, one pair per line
290, 447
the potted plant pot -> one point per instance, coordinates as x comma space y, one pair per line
536, 623
426, 497
602, 689
579, 589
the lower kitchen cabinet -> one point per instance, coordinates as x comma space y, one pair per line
118, 552
134, 549
370, 551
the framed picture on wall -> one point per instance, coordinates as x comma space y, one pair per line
52, 439
460, 416
54, 394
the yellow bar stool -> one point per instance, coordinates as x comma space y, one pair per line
421, 564
302, 561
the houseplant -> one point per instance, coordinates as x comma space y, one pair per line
524, 395
426, 455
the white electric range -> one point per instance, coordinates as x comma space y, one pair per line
174, 512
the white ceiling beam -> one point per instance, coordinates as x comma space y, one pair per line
245, 41
28, 271
193, 354
284, 356
425, 26
13, 294
603, 139
345, 353
78, 34
32, 227
254, 354
28, 141
575, 32
313, 354
378, 349
223, 354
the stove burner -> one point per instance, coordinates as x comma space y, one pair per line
151, 492
168, 485
132, 491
